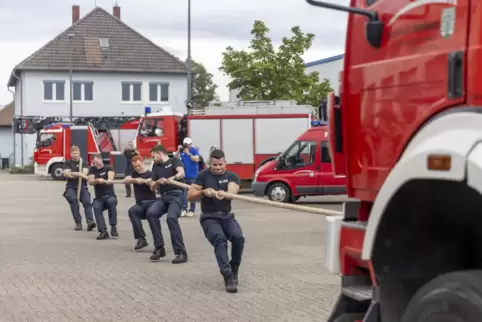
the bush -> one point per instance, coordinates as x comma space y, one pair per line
28, 169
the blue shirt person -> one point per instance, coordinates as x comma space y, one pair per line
190, 160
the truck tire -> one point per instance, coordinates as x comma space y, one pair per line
57, 172
280, 192
452, 297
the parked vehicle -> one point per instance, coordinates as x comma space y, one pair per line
304, 169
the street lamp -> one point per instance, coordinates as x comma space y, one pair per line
70, 77
189, 76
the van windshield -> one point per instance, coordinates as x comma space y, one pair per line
299, 154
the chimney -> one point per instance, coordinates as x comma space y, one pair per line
75, 13
116, 11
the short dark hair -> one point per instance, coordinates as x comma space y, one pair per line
96, 155
217, 154
159, 148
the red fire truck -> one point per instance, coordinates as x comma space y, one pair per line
408, 137
250, 133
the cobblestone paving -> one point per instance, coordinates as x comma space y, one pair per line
48, 272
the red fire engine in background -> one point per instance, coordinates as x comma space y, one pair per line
250, 133
408, 137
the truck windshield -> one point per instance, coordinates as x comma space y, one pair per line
151, 127
46, 139
300, 153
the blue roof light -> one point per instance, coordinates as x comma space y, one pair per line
315, 123
147, 110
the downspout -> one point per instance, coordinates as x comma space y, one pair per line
21, 116
13, 129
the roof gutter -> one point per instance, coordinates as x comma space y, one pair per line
13, 128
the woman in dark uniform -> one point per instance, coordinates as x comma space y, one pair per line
129, 152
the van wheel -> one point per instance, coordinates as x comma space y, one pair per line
279, 192
451, 297
57, 172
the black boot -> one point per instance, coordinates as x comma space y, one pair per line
91, 225
235, 270
158, 253
78, 226
229, 283
103, 235
180, 258
113, 231
141, 243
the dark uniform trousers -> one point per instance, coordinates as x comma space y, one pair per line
136, 214
101, 204
219, 227
170, 203
70, 195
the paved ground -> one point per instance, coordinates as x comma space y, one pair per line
48, 272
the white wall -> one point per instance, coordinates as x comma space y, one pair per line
330, 70
107, 94
6, 142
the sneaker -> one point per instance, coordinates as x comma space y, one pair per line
141, 243
103, 235
180, 258
113, 231
229, 283
78, 226
158, 253
91, 225
190, 213
183, 213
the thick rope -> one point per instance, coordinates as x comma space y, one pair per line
311, 210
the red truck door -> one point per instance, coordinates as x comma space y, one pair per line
49, 145
390, 91
327, 183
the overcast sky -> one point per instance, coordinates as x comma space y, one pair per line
26, 25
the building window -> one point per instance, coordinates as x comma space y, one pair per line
54, 90
131, 92
83, 91
158, 93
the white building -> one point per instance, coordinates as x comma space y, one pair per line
328, 68
115, 72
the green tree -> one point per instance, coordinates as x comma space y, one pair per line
203, 87
266, 73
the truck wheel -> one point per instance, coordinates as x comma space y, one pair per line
279, 192
452, 297
57, 172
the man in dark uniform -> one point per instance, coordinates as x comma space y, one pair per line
171, 200
217, 220
101, 177
74, 171
129, 152
145, 197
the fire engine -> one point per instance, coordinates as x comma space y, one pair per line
407, 135
251, 134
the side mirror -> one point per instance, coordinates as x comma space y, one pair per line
373, 27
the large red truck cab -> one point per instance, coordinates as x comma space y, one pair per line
304, 169
54, 142
158, 128
408, 136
